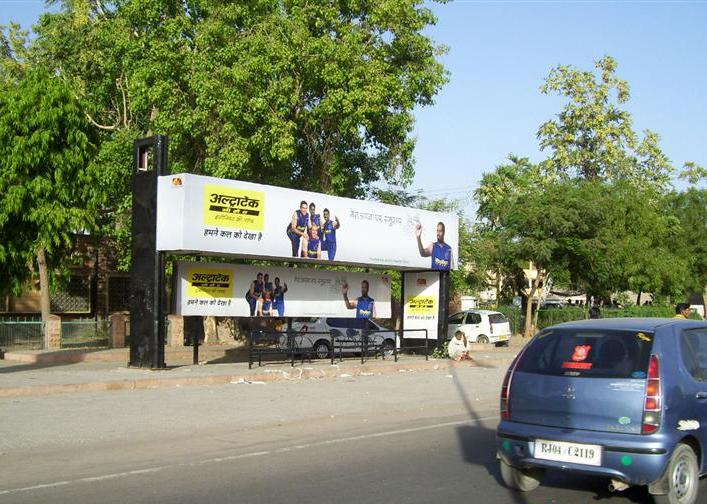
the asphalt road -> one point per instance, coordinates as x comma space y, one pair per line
416, 438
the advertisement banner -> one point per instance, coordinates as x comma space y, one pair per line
237, 290
219, 216
421, 308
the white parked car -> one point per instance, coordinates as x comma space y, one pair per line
481, 326
349, 334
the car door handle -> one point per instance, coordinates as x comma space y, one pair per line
701, 396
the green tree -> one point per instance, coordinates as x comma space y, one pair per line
316, 95
589, 234
633, 245
522, 218
593, 137
689, 208
14, 53
45, 192
491, 261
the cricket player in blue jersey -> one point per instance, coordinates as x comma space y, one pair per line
329, 239
314, 218
297, 230
255, 292
267, 284
266, 308
365, 305
314, 244
439, 252
279, 297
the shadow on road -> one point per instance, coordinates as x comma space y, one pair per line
478, 446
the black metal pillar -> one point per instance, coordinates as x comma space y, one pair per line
443, 309
194, 334
147, 278
402, 310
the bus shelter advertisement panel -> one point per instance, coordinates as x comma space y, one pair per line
421, 308
205, 214
234, 290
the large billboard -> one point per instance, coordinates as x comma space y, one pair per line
220, 216
421, 309
237, 290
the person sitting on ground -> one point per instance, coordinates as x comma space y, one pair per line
457, 348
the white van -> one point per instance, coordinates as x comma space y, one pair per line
481, 326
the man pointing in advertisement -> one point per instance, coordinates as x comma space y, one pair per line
364, 305
439, 251
329, 228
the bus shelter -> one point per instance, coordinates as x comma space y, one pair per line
315, 234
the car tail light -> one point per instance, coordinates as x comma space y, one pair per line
506, 389
652, 402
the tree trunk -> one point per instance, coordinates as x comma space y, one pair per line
535, 285
638, 299
528, 329
529, 313
537, 314
43, 285
44, 304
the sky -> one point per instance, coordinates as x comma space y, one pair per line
499, 54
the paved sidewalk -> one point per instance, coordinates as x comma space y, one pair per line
19, 379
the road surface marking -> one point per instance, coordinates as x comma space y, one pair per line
230, 458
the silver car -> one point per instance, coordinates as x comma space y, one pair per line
350, 335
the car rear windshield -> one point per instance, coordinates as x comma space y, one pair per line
497, 318
590, 354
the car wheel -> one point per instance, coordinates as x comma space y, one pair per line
388, 347
523, 480
682, 478
321, 349
482, 339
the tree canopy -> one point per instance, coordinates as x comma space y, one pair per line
45, 189
593, 215
592, 136
315, 95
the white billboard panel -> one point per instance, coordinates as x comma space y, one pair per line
237, 290
220, 216
421, 309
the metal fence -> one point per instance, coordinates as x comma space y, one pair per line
21, 335
89, 333
330, 345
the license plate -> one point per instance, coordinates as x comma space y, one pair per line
568, 452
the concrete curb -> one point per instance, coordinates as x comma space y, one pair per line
258, 375
118, 355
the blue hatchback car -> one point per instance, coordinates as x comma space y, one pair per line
620, 398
